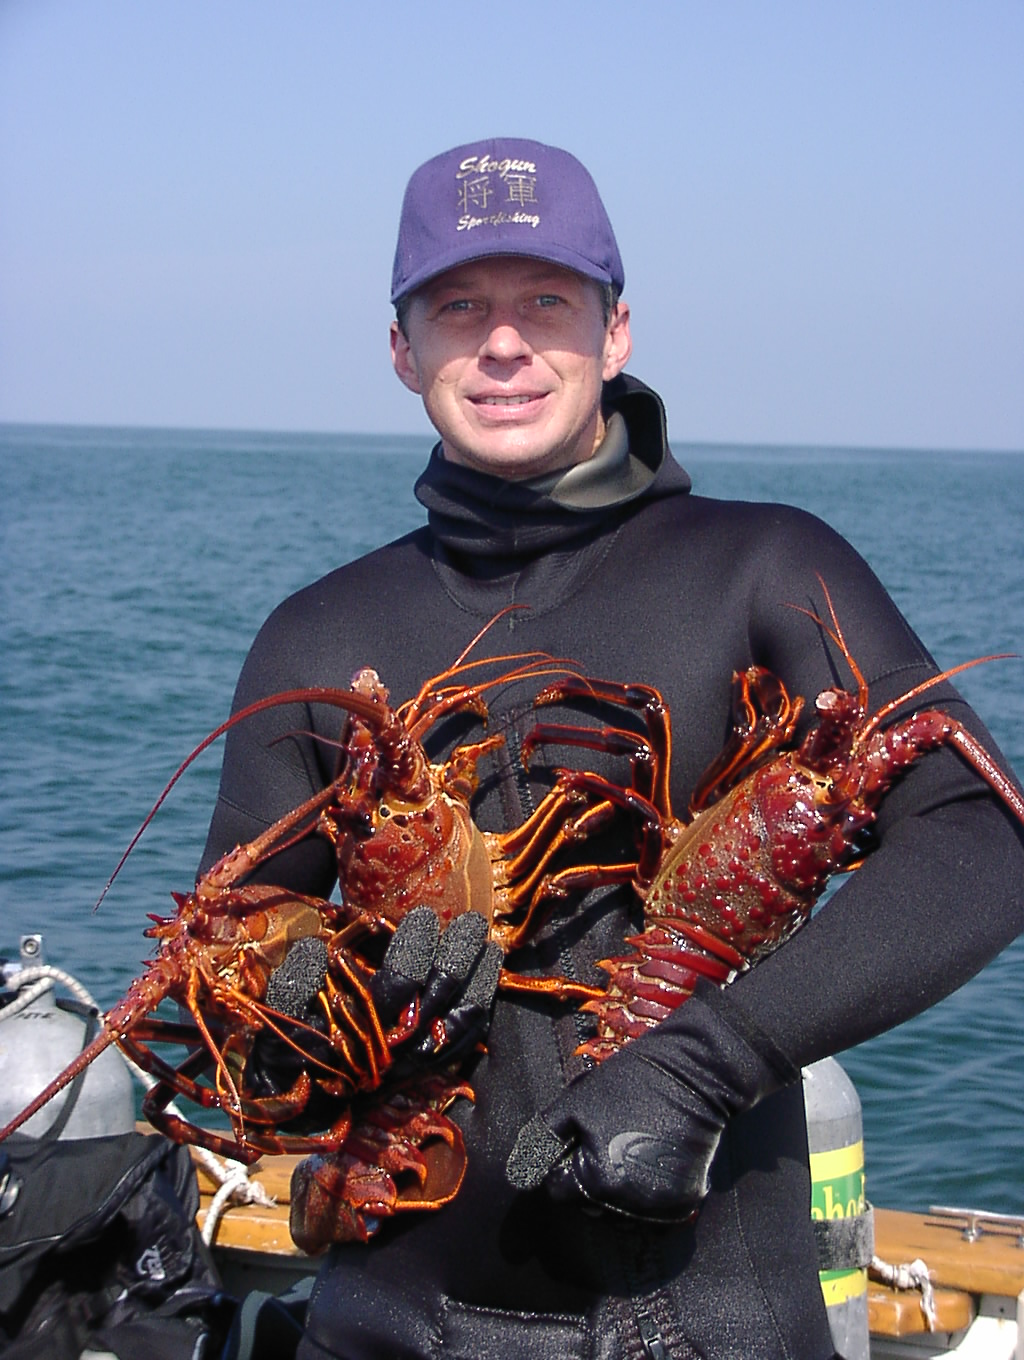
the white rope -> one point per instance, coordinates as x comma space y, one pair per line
232, 1177
236, 1188
911, 1275
32, 982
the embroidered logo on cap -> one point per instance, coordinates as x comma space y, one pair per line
506, 187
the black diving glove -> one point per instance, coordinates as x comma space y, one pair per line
637, 1135
453, 974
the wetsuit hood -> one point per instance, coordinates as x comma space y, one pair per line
475, 514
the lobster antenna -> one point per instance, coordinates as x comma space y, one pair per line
835, 632
460, 660
855, 670
878, 718
483, 631
352, 702
460, 663
207, 741
317, 694
446, 700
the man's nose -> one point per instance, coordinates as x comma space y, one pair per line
504, 340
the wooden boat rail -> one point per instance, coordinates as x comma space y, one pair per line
968, 1253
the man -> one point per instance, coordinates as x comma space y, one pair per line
656, 1205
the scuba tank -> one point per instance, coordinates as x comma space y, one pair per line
840, 1213
38, 1040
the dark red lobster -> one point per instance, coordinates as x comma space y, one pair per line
404, 837
769, 823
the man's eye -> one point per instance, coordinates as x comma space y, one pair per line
548, 300
457, 305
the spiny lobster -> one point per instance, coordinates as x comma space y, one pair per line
769, 823
404, 836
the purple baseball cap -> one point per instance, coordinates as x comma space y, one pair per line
503, 196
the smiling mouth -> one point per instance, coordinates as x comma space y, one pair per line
519, 399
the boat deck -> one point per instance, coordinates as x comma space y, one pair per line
255, 1250
963, 1268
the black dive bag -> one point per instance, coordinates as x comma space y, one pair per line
99, 1251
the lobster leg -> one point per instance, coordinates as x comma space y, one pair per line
764, 718
173, 1081
245, 1145
520, 861
651, 760
248, 1148
532, 884
533, 834
651, 827
615, 741
343, 1012
558, 988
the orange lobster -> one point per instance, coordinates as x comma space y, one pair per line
769, 823
404, 837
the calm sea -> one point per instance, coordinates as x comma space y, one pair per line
136, 566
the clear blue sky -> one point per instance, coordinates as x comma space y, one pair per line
820, 205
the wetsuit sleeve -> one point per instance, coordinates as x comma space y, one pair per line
273, 761
940, 894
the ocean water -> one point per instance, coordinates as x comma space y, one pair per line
136, 566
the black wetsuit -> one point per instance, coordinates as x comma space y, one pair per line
676, 591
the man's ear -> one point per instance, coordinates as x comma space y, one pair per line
403, 360
618, 344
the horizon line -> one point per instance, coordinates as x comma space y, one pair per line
768, 445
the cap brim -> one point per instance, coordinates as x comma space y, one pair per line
552, 254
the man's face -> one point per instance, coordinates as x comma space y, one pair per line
509, 356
